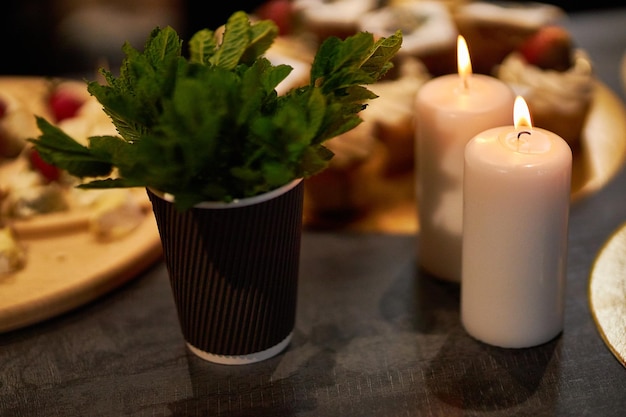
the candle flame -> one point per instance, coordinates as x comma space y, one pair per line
521, 114
463, 59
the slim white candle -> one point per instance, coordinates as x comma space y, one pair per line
450, 110
515, 225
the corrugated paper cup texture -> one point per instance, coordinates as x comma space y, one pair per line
234, 271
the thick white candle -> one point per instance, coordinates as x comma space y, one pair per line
450, 110
516, 209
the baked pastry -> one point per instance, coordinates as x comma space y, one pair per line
298, 55
112, 213
89, 120
12, 252
428, 31
21, 98
343, 189
27, 192
17, 122
555, 79
322, 18
393, 113
495, 29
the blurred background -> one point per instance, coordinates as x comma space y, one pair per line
66, 37
74, 37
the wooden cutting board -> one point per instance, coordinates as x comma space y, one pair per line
67, 266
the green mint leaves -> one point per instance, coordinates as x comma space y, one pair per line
211, 127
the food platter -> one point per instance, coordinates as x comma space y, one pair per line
607, 293
66, 263
601, 154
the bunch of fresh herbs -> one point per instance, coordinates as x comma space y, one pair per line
210, 126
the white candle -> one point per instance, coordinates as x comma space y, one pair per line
515, 225
450, 110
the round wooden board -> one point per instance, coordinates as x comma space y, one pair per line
607, 293
69, 267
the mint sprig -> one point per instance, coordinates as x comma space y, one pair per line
211, 127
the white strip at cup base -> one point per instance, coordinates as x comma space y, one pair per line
242, 359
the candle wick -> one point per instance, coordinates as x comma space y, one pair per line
522, 132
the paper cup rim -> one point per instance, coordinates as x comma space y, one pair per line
240, 202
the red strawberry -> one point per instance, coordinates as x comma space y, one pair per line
50, 172
64, 104
280, 11
549, 48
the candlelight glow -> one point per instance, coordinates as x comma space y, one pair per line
463, 59
521, 114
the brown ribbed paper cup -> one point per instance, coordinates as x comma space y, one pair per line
233, 270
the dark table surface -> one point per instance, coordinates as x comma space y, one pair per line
374, 336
